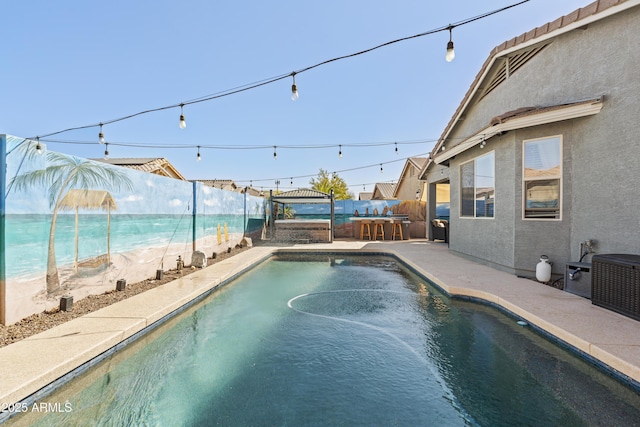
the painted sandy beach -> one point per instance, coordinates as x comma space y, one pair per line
27, 294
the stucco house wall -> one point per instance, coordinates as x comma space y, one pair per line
409, 183
599, 152
490, 239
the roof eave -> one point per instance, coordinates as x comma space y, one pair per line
506, 49
568, 112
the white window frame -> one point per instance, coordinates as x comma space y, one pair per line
526, 180
475, 188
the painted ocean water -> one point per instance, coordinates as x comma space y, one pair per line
27, 236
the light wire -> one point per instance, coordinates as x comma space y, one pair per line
267, 81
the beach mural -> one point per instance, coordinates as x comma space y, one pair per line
344, 210
76, 226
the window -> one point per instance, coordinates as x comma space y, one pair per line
542, 178
477, 187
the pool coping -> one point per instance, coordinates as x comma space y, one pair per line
36, 366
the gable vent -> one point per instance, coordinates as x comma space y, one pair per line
509, 65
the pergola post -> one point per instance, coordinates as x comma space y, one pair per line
332, 214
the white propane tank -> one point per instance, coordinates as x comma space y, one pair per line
543, 269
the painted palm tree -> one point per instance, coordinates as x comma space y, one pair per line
62, 174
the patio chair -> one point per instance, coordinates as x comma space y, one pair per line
440, 229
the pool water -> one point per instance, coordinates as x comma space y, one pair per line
340, 340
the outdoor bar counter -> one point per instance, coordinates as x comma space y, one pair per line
388, 225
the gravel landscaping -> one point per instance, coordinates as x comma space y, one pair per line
42, 321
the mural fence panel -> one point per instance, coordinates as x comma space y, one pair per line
76, 226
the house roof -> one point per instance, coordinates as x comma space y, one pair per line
224, 184
416, 162
253, 191
384, 189
365, 195
155, 165
524, 47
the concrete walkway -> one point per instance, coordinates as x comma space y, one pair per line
30, 365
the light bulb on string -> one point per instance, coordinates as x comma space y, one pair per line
275, 155
340, 152
101, 135
443, 148
38, 146
183, 123
291, 183
396, 148
294, 88
451, 54
106, 151
381, 171
198, 158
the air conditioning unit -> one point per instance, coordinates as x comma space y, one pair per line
616, 283
577, 278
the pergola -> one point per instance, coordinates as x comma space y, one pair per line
303, 196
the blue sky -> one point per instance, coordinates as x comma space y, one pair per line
74, 63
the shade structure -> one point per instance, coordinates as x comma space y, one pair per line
305, 195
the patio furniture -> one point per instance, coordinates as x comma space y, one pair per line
378, 225
440, 229
396, 227
365, 225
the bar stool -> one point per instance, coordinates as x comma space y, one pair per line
378, 225
365, 226
396, 225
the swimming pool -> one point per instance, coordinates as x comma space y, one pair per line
340, 340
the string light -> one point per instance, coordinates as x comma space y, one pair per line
451, 54
291, 183
396, 148
106, 151
294, 88
483, 142
38, 146
343, 170
381, 171
183, 123
340, 152
101, 135
198, 158
275, 155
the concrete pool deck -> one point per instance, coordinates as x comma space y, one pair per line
31, 365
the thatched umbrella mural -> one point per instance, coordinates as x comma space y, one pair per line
92, 200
